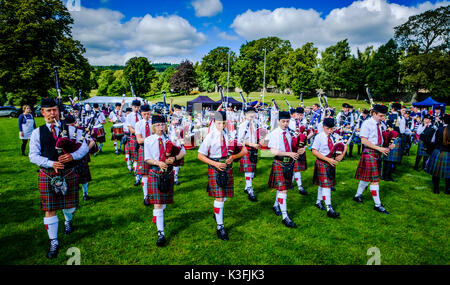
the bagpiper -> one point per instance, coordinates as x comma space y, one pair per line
143, 130
117, 118
133, 146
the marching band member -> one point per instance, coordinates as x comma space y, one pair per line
126, 139
160, 174
280, 144
44, 154
425, 132
133, 146
175, 134
300, 163
357, 137
115, 117
248, 134
324, 169
214, 152
438, 165
396, 122
369, 164
100, 120
142, 131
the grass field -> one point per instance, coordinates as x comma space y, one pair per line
116, 228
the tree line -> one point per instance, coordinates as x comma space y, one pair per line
36, 35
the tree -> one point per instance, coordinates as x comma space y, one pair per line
383, 72
184, 79
425, 41
248, 77
215, 63
139, 72
105, 79
34, 37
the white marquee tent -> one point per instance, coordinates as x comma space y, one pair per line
111, 100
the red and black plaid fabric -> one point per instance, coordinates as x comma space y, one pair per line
52, 202
246, 164
276, 179
321, 177
155, 196
142, 166
127, 147
301, 164
215, 190
133, 148
367, 168
85, 175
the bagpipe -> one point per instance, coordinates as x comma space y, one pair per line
344, 137
389, 137
299, 139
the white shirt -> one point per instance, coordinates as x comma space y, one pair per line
139, 128
321, 143
116, 118
151, 146
35, 149
100, 118
276, 140
369, 131
131, 119
250, 133
212, 142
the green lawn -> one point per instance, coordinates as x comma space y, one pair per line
116, 228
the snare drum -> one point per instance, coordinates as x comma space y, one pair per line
98, 133
117, 131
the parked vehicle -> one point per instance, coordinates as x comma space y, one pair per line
9, 111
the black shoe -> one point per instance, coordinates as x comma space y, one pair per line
222, 234
302, 191
277, 211
146, 201
177, 183
381, 209
137, 183
246, 190
116, 152
161, 239
333, 189
68, 228
358, 199
252, 197
320, 206
289, 223
86, 197
332, 214
54, 249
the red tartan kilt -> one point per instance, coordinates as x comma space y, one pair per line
142, 166
301, 165
367, 168
179, 163
246, 165
133, 148
215, 190
51, 202
156, 196
321, 177
276, 179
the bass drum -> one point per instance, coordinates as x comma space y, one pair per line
117, 131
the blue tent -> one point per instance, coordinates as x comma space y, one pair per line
255, 102
430, 102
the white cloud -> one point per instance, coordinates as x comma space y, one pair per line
110, 40
367, 22
207, 8
227, 37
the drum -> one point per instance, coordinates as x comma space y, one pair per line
117, 130
263, 138
98, 131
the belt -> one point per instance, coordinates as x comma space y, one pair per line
284, 159
222, 159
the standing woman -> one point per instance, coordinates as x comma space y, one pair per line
26, 126
214, 152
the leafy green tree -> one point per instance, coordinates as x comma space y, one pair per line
184, 80
203, 80
34, 37
215, 63
139, 72
105, 79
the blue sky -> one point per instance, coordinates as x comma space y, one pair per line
169, 31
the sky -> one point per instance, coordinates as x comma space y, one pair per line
113, 31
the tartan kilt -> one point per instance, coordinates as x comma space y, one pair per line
155, 196
321, 177
395, 155
142, 166
85, 175
246, 165
276, 178
133, 148
367, 168
438, 164
52, 202
301, 164
421, 149
215, 190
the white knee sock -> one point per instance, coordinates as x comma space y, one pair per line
177, 170
298, 178
326, 195
218, 211
319, 195
51, 225
276, 204
138, 177
115, 145
134, 165
145, 185
281, 197
374, 190
159, 214
248, 180
85, 188
361, 187
127, 159
68, 214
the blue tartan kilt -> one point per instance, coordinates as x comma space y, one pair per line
438, 165
421, 149
395, 155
